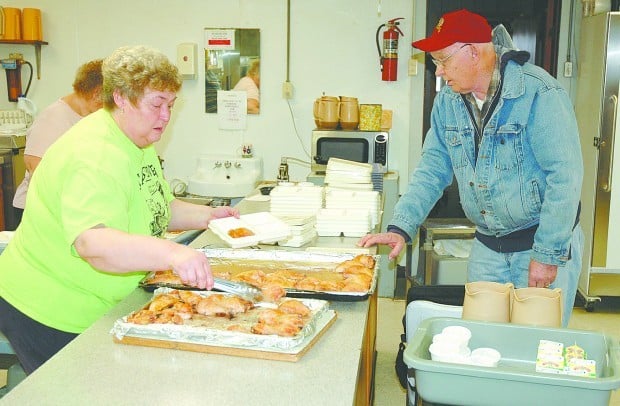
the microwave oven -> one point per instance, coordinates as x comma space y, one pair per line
360, 146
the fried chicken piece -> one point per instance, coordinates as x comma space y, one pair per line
161, 302
290, 274
341, 267
272, 292
308, 283
144, 316
367, 260
164, 277
280, 280
253, 277
293, 306
189, 297
165, 316
331, 286
222, 305
279, 323
356, 283
357, 270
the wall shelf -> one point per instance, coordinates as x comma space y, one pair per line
37, 49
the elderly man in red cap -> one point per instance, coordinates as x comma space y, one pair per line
506, 130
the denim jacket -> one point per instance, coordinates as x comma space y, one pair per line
529, 167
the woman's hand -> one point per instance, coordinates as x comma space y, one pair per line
192, 267
223, 211
395, 241
190, 216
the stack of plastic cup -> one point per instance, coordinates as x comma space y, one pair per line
451, 345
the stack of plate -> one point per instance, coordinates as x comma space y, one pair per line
348, 222
368, 200
302, 230
345, 174
302, 199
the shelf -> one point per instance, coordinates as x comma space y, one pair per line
37, 50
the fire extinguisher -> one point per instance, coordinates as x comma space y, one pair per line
389, 57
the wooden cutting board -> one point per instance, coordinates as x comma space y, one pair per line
292, 355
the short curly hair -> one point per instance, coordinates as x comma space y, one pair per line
88, 78
132, 69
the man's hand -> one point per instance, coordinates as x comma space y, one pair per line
541, 275
393, 240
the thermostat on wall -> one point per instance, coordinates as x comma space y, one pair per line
186, 60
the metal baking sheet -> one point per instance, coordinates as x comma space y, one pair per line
305, 261
321, 316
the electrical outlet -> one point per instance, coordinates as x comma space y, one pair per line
287, 90
568, 69
412, 66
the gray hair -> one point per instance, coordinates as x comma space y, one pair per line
131, 70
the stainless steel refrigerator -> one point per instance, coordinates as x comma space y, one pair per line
598, 81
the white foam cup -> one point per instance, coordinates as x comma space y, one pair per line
486, 357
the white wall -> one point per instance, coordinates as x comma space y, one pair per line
332, 51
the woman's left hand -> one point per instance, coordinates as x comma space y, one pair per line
224, 211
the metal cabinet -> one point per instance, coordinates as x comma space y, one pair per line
438, 229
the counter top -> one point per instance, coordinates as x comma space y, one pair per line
93, 369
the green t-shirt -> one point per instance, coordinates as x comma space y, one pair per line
92, 175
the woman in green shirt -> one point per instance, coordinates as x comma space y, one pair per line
97, 209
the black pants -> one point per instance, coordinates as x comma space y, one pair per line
33, 342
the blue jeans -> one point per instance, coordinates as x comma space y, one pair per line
487, 265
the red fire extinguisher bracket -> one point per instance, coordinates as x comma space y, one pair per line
389, 56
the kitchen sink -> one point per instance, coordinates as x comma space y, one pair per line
225, 176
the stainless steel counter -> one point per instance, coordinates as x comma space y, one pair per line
93, 369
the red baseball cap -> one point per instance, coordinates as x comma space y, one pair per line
456, 26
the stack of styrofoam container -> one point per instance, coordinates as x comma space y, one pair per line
301, 199
348, 222
345, 174
302, 230
368, 200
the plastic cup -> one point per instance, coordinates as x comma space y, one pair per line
485, 357
458, 334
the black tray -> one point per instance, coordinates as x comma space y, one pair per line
296, 293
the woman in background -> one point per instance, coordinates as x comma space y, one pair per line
251, 84
57, 118
96, 213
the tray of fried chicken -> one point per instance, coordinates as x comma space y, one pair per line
222, 319
302, 274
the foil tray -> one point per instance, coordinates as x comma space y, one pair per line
321, 315
304, 261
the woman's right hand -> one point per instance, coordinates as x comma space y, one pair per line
192, 266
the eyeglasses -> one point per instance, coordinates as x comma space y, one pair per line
442, 62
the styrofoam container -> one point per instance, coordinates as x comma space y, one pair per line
514, 381
266, 227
